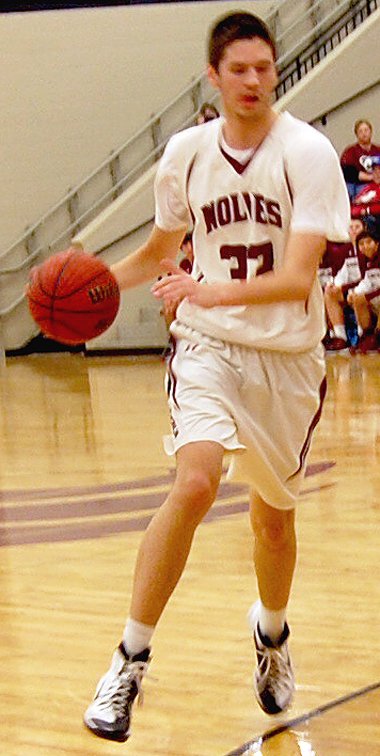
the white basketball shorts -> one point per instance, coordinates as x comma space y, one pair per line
263, 406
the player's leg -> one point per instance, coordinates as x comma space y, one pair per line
161, 559
167, 540
365, 319
275, 551
283, 398
362, 311
334, 303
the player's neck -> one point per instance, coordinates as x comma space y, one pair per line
241, 134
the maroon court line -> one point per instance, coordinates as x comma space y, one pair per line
97, 507
44, 493
31, 534
85, 530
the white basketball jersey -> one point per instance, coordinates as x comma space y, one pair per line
242, 215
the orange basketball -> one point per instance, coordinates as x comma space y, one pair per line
73, 296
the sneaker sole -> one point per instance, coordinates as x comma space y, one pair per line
118, 736
271, 707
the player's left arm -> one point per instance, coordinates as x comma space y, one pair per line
292, 282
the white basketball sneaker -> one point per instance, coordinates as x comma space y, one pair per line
109, 714
273, 679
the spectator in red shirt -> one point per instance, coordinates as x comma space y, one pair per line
366, 204
355, 173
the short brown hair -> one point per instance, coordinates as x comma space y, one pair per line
235, 26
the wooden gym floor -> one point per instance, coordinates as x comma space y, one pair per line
82, 470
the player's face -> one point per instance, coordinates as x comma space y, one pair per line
246, 78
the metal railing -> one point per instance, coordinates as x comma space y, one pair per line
303, 58
84, 202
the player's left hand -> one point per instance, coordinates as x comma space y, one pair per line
177, 285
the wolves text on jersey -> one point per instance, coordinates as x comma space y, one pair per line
235, 208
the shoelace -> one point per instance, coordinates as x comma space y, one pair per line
274, 661
120, 688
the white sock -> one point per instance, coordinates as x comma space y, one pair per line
271, 622
340, 332
136, 636
360, 330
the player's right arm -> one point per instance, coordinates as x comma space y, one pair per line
172, 222
144, 264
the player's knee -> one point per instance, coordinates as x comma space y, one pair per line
197, 493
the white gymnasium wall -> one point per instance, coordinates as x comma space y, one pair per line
339, 123
76, 84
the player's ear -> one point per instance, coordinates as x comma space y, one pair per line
213, 77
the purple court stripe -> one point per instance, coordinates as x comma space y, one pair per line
318, 467
94, 507
314, 489
81, 531
85, 530
45, 493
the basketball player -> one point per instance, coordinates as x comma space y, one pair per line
263, 193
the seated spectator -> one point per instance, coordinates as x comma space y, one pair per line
366, 204
365, 297
207, 113
349, 274
351, 159
332, 260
